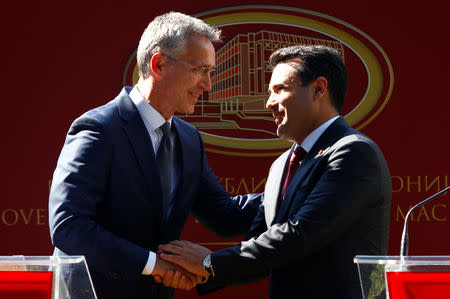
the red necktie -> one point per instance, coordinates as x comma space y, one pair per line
297, 155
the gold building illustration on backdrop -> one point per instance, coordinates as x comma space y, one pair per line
239, 86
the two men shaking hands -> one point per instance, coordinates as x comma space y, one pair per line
326, 199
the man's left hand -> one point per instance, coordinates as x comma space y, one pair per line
185, 254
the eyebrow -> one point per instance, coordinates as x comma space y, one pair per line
207, 65
277, 85
201, 65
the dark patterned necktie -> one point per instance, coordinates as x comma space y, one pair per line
164, 159
296, 157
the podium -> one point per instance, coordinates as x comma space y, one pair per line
404, 277
45, 277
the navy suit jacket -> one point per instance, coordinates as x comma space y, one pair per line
105, 199
336, 206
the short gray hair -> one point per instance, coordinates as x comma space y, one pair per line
169, 32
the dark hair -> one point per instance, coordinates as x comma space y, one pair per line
317, 61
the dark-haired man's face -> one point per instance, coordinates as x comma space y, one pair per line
292, 104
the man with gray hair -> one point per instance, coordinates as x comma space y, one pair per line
130, 172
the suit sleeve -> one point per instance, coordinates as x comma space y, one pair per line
330, 202
258, 227
224, 215
80, 185
259, 224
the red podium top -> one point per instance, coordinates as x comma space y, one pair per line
45, 277
404, 277
407, 285
26, 284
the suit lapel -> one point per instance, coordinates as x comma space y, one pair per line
273, 186
141, 144
334, 132
303, 169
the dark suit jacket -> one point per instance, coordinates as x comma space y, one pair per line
337, 206
105, 199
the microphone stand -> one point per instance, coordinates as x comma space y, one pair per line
404, 241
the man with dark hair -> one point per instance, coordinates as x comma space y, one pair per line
130, 172
326, 199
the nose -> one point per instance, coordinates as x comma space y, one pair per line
205, 82
271, 103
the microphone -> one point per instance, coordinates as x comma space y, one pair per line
404, 241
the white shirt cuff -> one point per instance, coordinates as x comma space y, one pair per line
150, 265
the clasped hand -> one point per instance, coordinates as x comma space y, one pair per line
179, 264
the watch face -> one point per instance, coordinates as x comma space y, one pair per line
207, 265
207, 261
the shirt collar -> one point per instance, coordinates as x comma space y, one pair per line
150, 116
312, 138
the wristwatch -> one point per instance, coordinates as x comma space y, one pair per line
207, 265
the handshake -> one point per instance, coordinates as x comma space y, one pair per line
179, 264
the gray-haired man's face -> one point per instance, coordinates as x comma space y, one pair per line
187, 76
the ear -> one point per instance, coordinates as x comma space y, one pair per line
320, 87
157, 63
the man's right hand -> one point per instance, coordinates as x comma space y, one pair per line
172, 275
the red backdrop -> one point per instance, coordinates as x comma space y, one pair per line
60, 59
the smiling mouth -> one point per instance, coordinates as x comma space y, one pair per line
195, 95
278, 121
278, 115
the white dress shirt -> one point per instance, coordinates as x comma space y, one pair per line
312, 138
152, 120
